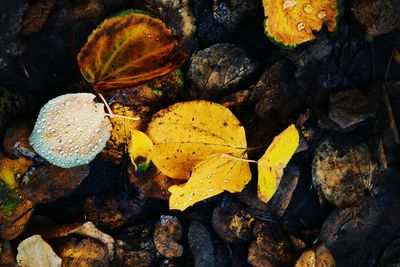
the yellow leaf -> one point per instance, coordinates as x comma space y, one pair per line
11, 169
273, 162
186, 133
140, 150
292, 22
210, 177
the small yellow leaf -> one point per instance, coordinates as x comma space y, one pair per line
11, 169
210, 177
273, 162
186, 133
140, 150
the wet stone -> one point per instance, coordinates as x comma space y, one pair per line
376, 16
16, 140
12, 103
48, 182
348, 108
271, 247
113, 212
167, 231
135, 246
218, 70
201, 245
231, 222
277, 92
7, 256
10, 20
344, 174
87, 252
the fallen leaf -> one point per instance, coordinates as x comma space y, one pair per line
140, 150
209, 178
139, 49
186, 133
141, 102
191, 141
35, 252
274, 160
292, 22
15, 208
119, 141
71, 130
11, 169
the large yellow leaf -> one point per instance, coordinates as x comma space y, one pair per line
210, 177
273, 162
129, 49
292, 22
186, 133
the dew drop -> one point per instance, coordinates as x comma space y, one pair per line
39, 131
308, 8
321, 14
226, 181
201, 181
301, 26
210, 191
9, 213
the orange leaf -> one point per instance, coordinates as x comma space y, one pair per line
129, 49
292, 22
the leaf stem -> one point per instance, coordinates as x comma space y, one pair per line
111, 114
240, 159
122, 117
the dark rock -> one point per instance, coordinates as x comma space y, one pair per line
151, 184
319, 256
36, 15
218, 70
283, 195
391, 255
7, 255
376, 16
348, 108
167, 231
348, 234
85, 252
10, 19
344, 174
12, 103
179, 18
277, 92
231, 222
271, 247
134, 246
230, 12
113, 212
16, 139
90, 10
209, 31
201, 245
47, 183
